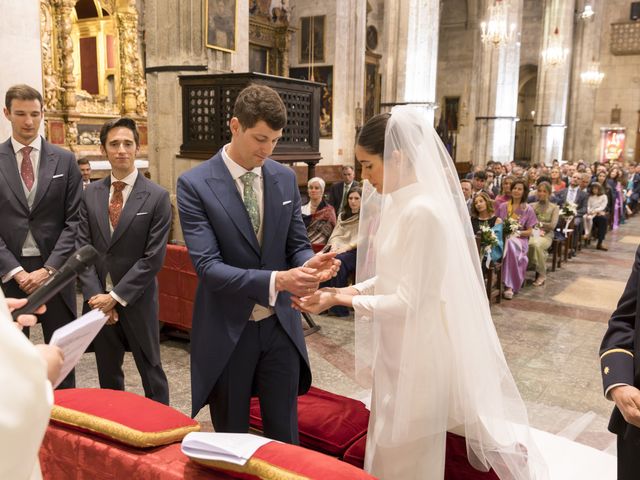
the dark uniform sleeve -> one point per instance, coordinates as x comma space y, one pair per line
617, 348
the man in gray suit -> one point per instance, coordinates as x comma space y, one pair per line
40, 189
126, 217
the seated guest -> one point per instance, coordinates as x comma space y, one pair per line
478, 182
482, 212
467, 191
547, 214
596, 216
505, 192
319, 217
337, 196
515, 260
490, 184
573, 195
343, 240
613, 181
634, 189
585, 181
483, 215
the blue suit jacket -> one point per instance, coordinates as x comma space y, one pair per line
233, 270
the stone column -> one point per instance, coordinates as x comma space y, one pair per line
496, 69
63, 11
553, 85
411, 51
348, 70
581, 142
19, 49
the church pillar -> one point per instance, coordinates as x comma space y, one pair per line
411, 51
580, 139
552, 93
496, 69
19, 49
348, 70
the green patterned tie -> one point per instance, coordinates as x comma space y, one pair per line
250, 200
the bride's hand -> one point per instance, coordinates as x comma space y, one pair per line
315, 303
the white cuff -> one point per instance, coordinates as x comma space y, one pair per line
117, 298
11, 274
273, 294
611, 387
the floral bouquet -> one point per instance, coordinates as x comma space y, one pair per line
488, 238
490, 243
511, 226
569, 209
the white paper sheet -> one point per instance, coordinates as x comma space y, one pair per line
75, 337
234, 448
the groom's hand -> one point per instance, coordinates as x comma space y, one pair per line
325, 264
300, 281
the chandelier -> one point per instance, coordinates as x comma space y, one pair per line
593, 76
555, 53
497, 31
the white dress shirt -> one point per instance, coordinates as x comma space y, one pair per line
259, 312
30, 245
129, 180
572, 193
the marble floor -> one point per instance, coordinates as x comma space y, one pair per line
550, 336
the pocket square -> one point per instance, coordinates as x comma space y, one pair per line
58, 176
141, 213
286, 203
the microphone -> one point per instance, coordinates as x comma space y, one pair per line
76, 264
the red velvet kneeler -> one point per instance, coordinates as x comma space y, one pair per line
70, 454
457, 466
327, 422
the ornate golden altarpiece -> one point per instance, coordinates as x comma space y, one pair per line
269, 38
92, 71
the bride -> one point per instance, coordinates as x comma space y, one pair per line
425, 339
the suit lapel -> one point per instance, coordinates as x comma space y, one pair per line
102, 208
9, 169
273, 198
134, 203
46, 170
224, 188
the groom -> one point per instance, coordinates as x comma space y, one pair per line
241, 220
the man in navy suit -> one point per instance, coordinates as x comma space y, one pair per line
619, 354
126, 217
339, 190
40, 187
241, 220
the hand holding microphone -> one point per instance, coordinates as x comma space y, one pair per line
76, 264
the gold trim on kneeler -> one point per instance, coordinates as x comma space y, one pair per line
117, 431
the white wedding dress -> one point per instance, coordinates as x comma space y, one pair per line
425, 340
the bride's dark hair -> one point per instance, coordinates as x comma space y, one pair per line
371, 137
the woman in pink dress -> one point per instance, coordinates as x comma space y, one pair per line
515, 260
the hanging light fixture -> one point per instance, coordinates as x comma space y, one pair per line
497, 31
555, 54
593, 76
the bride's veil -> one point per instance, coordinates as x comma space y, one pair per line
430, 349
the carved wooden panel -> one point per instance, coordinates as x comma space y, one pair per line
208, 102
625, 38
